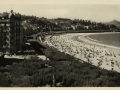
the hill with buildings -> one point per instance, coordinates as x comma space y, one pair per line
63, 24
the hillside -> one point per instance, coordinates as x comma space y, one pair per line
114, 22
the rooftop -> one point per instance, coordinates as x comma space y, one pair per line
6, 14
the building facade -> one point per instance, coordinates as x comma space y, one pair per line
11, 33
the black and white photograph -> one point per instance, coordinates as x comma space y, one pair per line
59, 43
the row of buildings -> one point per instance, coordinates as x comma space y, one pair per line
11, 32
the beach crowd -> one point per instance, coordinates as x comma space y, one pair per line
87, 50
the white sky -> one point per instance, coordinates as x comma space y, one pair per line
73, 9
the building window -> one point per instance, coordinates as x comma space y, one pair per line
4, 38
14, 28
5, 43
4, 50
17, 23
1, 28
4, 33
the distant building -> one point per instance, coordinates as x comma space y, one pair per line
11, 33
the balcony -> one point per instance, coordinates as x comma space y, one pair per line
7, 24
7, 20
8, 41
8, 30
5, 46
8, 36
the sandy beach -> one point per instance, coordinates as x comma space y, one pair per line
87, 49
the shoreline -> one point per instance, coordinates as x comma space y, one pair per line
89, 40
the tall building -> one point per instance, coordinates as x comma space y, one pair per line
11, 33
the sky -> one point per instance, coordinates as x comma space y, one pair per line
102, 12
